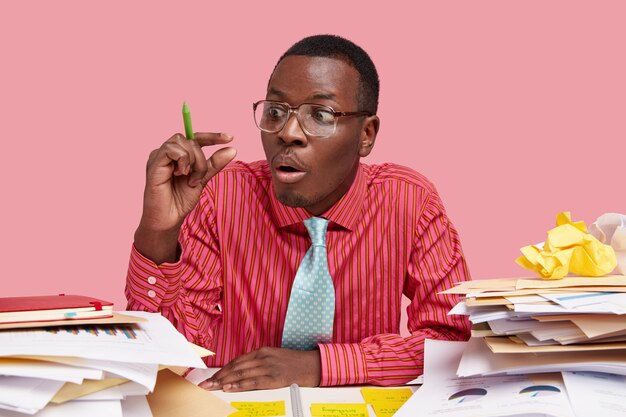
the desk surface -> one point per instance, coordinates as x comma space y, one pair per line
308, 395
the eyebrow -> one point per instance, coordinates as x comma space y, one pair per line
316, 96
324, 96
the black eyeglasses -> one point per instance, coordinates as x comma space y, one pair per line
315, 119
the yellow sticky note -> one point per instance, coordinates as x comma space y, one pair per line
386, 401
258, 408
339, 410
377, 395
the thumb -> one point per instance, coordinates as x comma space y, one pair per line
218, 161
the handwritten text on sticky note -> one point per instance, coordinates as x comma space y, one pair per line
258, 408
339, 410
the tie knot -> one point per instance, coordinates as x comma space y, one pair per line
317, 230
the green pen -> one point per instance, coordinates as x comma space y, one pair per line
187, 121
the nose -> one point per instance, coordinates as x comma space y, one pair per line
292, 133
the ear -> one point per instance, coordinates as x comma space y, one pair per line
368, 135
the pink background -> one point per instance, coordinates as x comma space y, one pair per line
516, 110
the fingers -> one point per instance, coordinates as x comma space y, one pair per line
253, 383
218, 161
199, 167
257, 377
243, 378
268, 368
207, 139
176, 149
245, 366
179, 156
206, 169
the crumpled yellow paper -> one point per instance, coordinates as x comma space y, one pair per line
568, 248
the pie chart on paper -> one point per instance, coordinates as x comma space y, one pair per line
466, 395
540, 390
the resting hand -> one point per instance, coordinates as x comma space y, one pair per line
268, 368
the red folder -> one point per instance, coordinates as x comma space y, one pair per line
52, 307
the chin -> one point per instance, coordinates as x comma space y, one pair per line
293, 199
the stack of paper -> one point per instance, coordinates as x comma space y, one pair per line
91, 370
577, 323
443, 393
568, 394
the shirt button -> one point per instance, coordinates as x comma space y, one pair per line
151, 294
151, 280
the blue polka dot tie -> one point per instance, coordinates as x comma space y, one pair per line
311, 308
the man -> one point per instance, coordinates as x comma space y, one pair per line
224, 251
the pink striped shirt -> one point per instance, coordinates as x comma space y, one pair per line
388, 235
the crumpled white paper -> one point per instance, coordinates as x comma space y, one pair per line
610, 229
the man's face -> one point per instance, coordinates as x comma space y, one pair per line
308, 171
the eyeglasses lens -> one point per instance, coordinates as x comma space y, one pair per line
315, 120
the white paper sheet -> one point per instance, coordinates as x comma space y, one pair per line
530, 340
488, 396
442, 364
143, 373
595, 394
609, 308
443, 393
484, 316
554, 332
76, 409
146, 374
618, 301
478, 359
511, 327
460, 309
580, 299
196, 376
47, 370
130, 389
155, 341
136, 407
26, 395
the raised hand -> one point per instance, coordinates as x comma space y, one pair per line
175, 176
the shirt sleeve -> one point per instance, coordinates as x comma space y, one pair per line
187, 292
436, 263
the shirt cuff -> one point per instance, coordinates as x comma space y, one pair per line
150, 284
342, 364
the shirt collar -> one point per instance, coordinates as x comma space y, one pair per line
344, 212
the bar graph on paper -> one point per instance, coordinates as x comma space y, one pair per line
97, 331
149, 342
118, 334
83, 341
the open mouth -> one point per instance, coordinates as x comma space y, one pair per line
287, 174
287, 168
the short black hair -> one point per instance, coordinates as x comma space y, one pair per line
333, 46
